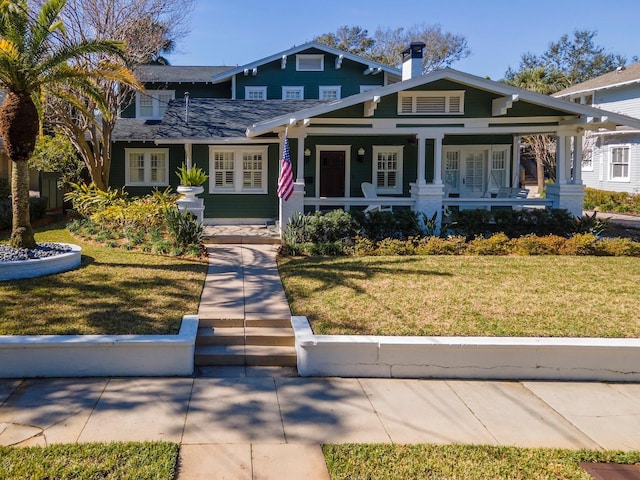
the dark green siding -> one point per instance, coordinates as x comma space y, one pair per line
117, 174
349, 77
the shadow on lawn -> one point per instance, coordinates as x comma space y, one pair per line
350, 272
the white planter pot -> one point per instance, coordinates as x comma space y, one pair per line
190, 192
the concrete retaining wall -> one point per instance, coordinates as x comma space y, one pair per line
99, 355
592, 359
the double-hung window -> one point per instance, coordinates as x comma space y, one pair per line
151, 104
147, 167
387, 169
619, 164
238, 169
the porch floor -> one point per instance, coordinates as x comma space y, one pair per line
241, 234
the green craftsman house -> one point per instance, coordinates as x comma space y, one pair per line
440, 141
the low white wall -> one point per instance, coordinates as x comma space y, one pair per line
99, 355
592, 359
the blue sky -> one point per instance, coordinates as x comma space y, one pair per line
233, 32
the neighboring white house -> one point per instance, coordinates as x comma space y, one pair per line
611, 159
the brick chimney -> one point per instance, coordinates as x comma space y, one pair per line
412, 60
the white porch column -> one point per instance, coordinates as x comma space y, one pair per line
568, 158
188, 154
515, 163
437, 161
577, 159
287, 208
561, 159
300, 163
422, 160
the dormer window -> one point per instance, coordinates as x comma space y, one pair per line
151, 104
431, 103
310, 63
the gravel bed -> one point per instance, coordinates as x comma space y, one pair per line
42, 250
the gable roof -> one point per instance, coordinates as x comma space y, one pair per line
177, 73
300, 48
217, 119
445, 74
617, 78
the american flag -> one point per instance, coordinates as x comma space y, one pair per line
285, 182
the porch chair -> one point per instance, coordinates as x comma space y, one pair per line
369, 191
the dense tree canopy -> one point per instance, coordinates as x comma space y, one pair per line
37, 60
148, 28
565, 62
384, 46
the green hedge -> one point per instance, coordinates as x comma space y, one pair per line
615, 202
37, 210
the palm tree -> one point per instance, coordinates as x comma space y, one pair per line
37, 60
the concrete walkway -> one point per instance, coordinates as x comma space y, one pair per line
250, 423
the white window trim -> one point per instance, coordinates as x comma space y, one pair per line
611, 178
309, 56
397, 149
147, 167
154, 94
447, 94
237, 170
286, 89
262, 90
330, 88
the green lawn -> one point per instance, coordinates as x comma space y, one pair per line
466, 295
113, 292
461, 462
91, 461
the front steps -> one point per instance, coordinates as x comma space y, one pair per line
251, 342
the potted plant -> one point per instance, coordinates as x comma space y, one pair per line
191, 181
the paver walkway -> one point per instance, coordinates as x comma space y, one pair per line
250, 423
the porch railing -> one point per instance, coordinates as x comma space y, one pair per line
486, 203
461, 203
347, 202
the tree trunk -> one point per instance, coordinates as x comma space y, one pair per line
19, 129
540, 172
21, 233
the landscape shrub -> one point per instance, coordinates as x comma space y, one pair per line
395, 246
184, 228
440, 246
580, 244
329, 227
398, 224
608, 201
535, 245
498, 244
618, 247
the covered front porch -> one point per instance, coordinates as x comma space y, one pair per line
449, 172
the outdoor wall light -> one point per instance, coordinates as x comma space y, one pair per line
361, 155
307, 152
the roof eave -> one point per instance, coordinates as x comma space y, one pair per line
448, 73
276, 56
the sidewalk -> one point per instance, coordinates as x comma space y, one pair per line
244, 422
